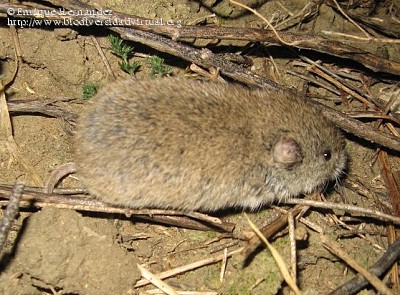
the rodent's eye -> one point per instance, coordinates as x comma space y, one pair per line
327, 155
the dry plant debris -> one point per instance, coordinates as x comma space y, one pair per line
348, 68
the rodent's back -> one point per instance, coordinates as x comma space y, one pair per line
190, 145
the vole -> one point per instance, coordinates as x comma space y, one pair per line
176, 143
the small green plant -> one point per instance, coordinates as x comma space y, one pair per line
158, 68
89, 90
119, 48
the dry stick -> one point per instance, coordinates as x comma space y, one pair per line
193, 220
389, 26
10, 214
358, 128
394, 271
5, 122
203, 57
266, 21
277, 257
326, 74
339, 85
156, 281
302, 41
223, 265
57, 174
301, 15
348, 208
188, 267
372, 115
390, 257
361, 39
268, 231
279, 223
319, 83
390, 183
350, 20
353, 231
169, 219
393, 191
103, 57
6, 134
293, 252
47, 107
38, 191
374, 280
393, 99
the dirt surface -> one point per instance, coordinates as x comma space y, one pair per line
59, 251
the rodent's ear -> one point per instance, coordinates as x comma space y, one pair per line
286, 152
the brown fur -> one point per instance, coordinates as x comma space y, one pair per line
189, 145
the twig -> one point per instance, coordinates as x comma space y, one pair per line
302, 14
293, 252
223, 265
156, 281
349, 19
103, 57
268, 231
192, 220
57, 174
277, 257
363, 39
390, 257
358, 128
394, 271
388, 25
348, 208
319, 83
372, 115
188, 267
294, 43
326, 74
6, 132
390, 183
10, 214
46, 107
373, 279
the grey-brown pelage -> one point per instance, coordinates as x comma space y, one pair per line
176, 143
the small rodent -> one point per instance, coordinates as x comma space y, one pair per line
176, 143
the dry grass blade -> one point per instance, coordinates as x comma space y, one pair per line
223, 266
350, 20
156, 281
264, 20
269, 231
191, 266
278, 259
